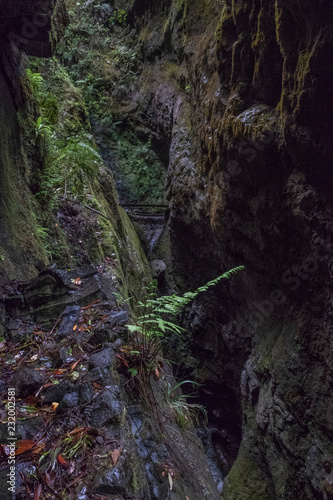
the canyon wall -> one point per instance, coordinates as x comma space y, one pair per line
237, 97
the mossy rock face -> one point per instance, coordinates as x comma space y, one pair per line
246, 481
20, 158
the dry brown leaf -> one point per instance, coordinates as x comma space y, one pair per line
60, 371
38, 492
74, 365
65, 465
50, 384
54, 406
115, 455
24, 445
77, 430
31, 400
97, 386
39, 448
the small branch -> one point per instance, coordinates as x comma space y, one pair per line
40, 477
56, 324
97, 212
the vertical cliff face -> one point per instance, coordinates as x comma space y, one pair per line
238, 98
31, 27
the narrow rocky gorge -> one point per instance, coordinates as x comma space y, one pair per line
220, 114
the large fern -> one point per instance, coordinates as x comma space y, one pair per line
154, 320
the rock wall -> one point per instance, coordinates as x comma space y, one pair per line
22, 27
238, 96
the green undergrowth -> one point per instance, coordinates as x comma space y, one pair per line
78, 219
104, 62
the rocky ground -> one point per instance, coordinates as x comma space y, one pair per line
83, 432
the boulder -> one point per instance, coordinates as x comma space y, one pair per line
27, 381
103, 359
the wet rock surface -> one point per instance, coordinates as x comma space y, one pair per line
27, 381
89, 397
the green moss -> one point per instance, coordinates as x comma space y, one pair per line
246, 481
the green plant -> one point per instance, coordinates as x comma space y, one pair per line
154, 323
118, 17
78, 162
183, 410
76, 443
35, 80
41, 128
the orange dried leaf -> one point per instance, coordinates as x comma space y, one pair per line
74, 365
23, 446
54, 406
74, 328
62, 462
97, 386
78, 430
59, 372
115, 455
50, 384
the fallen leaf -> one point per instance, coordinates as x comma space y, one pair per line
97, 386
74, 328
115, 455
63, 463
77, 430
75, 375
31, 400
39, 448
59, 372
38, 492
74, 365
54, 406
23, 446
50, 384
170, 481
90, 305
